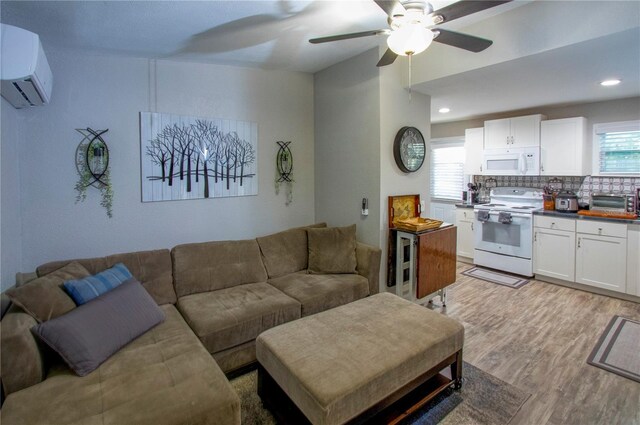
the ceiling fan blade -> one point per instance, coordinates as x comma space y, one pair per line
388, 58
391, 7
347, 36
463, 41
464, 8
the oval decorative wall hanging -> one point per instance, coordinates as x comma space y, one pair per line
92, 163
284, 169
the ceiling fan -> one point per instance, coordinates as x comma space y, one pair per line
411, 27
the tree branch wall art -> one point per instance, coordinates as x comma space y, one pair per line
187, 157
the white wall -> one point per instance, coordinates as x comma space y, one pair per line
109, 92
359, 110
347, 99
397, 111
10, 210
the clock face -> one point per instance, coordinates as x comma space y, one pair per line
409, 149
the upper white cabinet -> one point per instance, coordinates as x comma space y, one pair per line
564, 147
515, 132
473, 146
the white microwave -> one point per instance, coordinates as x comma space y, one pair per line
511, 162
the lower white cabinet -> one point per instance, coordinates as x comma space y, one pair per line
554, 253
589, 252
601, 254
601, 261
464, 222
633, 260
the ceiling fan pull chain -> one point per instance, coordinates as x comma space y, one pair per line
410, 56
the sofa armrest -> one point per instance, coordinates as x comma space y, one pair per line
368, 259
21, 362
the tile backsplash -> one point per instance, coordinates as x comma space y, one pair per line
582, 186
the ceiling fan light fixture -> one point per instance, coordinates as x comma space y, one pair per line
410, 39
611, 82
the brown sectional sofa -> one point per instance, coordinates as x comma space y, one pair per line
217, 297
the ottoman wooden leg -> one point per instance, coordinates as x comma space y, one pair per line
456, 371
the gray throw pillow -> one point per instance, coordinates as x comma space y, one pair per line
44, 298
332, 250
91, 333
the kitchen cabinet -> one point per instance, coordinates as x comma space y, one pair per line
464, 223
601, 254
633, 260
554, 241
565, 149
514, 132
473, 147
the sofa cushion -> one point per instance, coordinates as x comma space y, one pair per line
164, 377
228, 317
284, 252
151, 268
44, 298
332, 250
84, 290
208, 266
88, 335
319, 292
21, 360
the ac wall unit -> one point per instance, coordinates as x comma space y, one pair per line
26, 76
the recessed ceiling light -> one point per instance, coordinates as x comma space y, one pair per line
607, 83
444, 110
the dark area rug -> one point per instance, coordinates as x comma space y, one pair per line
484, 399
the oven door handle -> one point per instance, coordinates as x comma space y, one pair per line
518, 215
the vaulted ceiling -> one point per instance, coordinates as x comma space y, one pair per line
544, 53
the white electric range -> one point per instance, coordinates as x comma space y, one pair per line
504, 230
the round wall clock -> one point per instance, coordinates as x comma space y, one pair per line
409, 149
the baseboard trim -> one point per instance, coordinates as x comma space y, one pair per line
587, 288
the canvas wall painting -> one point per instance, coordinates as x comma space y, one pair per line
186, 157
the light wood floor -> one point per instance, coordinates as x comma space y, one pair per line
538, 338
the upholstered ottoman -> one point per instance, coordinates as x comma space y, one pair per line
354, 362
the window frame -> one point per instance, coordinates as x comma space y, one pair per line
609, 127
457, 141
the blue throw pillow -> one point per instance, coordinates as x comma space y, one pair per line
86, 289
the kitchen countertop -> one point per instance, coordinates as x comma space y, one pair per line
461, 205
576, 216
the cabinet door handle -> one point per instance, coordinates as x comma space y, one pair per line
480, 167
471, 226
579, 239
541, 167
535, 237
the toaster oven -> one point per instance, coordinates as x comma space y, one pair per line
612, 202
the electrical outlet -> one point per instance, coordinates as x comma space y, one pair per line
422, 206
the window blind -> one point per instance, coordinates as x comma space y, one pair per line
618, 149
447, 171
